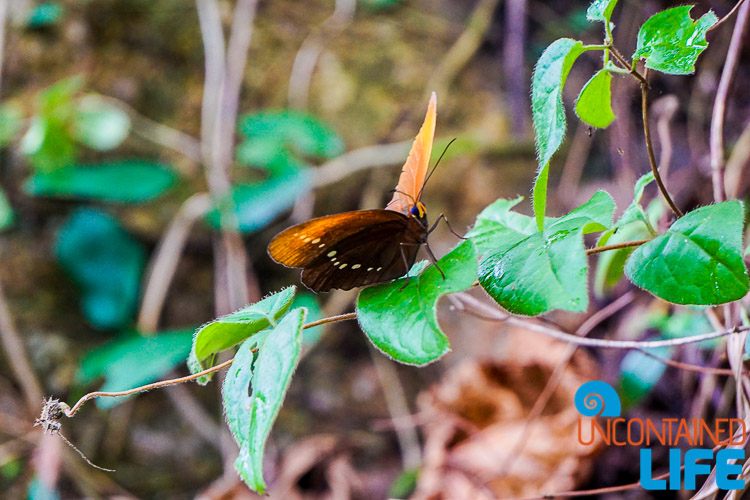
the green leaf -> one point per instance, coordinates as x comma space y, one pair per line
600, 10
269, 374
6, 212
105, 262
48, 141
497, 228
125, 181
547, 269
229, 330
634, 212
376, 5
685, 323
594, 104
11, 121
400, 319
44, 14
48, 144
639, 374
133, 360
404, 485
548, 112
255, 205
281, 140
670, 41
697, 261
100, 125
610, 265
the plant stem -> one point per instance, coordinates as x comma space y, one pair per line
726, 18
650, 149
716, 140
631, 68
616, 246
489, 313
164, 383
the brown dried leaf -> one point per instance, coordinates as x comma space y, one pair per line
479, 412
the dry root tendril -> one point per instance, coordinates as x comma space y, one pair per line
49, 420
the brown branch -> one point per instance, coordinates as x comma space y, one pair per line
616, 246
726, 18
708, 370
166, 258
487, 312
332, 319
17, 356
156, 385
633, 71
650, 149
70, 411
598, 491
720, 103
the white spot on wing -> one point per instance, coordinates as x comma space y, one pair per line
331, 253
356, 266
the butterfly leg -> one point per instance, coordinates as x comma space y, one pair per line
433, 259
406, 262
443, 217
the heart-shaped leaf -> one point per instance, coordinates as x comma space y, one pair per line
268, 374
697, 261
497, 228
412, 335
547, 269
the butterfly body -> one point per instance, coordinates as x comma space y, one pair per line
363, 247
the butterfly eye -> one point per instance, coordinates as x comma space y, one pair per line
415, 211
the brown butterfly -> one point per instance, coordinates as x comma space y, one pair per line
363, 247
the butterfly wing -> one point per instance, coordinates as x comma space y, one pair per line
413, 173
370, 256
300, 245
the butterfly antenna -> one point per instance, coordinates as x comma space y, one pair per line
419, 196
401, 192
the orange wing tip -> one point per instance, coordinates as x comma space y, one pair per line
415, 169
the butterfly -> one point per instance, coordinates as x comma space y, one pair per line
363, 247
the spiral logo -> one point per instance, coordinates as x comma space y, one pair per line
597, 398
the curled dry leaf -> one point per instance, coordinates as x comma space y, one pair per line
480, 411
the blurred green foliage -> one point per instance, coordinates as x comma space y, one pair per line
44, 14
133, 360
125, 181
105, 262
282, 141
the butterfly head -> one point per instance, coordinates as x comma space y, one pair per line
419, 212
